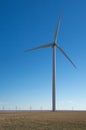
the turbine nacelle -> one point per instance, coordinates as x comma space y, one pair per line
54, 44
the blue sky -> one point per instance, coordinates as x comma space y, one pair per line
26, 78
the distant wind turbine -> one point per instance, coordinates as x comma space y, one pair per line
54, 45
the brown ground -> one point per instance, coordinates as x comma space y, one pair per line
43, 121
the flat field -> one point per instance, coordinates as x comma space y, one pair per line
43, 120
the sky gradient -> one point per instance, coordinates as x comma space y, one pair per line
26, 78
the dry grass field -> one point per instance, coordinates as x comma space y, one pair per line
43, 121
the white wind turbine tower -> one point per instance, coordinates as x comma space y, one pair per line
54, 45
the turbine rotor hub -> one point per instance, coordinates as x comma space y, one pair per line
54, 44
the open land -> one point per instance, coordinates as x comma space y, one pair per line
60, 120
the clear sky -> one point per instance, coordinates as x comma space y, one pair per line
26, 78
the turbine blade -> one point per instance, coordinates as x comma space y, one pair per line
65, 55
39, 47
57, 29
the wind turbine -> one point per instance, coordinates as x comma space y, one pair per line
54, 45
